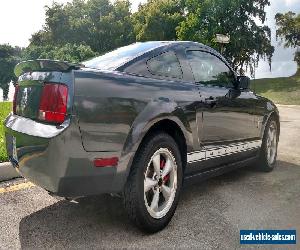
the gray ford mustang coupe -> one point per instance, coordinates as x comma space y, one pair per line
140, 121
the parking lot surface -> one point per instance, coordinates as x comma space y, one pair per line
209, 216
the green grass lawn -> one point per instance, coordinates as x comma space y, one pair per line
283, 90
5, 108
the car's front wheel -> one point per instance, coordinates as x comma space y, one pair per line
152, 190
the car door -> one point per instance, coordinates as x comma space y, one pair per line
228, 113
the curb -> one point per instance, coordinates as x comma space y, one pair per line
7, 172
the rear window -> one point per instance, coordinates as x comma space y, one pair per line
120, 56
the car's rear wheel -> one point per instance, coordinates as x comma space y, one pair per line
152, 190
268, 154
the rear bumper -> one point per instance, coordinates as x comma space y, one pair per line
53, 157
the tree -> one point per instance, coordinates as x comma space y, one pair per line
289, 31
157, 20
297, 60
99, 24
9, 57
249, 41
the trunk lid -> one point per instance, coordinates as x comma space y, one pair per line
34, 77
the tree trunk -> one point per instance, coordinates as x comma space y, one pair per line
5, 89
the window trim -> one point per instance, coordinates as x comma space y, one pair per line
221, 59
161, 75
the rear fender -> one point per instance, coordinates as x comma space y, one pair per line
154, 112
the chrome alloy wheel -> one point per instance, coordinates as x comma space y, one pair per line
160, 183
272, 142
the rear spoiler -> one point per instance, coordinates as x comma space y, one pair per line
45, 66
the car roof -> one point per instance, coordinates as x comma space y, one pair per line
167, 43
159, 45
185, 43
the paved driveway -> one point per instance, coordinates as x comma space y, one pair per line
209, 215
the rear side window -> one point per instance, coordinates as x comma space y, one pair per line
209, 69
165, 64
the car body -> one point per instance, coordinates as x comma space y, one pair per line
116, 100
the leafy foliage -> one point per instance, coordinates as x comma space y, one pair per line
289, 31
69, 52
95, 23
157, 20
288, 28
249, 41
9, 57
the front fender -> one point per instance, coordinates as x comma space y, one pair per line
270, 109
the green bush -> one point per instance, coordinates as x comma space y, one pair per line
5, 108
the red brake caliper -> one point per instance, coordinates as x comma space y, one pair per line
162, 165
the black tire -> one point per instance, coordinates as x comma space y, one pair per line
263, 163
134, 201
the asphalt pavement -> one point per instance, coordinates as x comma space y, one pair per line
209, 216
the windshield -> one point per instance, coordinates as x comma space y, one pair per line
120, 56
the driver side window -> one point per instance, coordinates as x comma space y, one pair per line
210, 70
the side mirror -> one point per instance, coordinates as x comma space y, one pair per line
243, 82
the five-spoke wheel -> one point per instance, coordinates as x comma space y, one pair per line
160, 183
152, 190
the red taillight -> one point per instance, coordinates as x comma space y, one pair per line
15, 99
53, 103
106, 162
